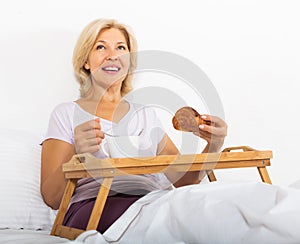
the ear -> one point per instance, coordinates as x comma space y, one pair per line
86, 65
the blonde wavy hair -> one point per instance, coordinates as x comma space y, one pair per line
84, 45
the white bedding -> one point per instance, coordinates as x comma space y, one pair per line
211, 213
206, 213
29, 237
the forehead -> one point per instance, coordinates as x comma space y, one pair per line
111, 34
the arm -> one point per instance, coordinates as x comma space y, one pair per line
214, 134
87, 138
167, 147
54, 154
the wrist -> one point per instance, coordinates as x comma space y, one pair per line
214, 147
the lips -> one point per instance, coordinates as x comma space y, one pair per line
111, 68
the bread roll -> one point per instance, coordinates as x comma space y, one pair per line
187, 119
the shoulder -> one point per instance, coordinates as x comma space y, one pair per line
63, 111
61, 122
64, 108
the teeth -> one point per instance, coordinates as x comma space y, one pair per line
111, 68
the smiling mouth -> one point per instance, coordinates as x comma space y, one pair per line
111, 69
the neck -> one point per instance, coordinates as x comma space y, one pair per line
111, 94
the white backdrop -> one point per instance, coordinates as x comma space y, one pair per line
248, 48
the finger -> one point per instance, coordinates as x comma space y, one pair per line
90, 134
217, 121
89, 125
83, 145
99, 133
94, 149
97, 123
93, 141
212, 129
203, 134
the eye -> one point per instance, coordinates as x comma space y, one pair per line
122, 47
100, 47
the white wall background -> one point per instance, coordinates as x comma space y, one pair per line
248, 48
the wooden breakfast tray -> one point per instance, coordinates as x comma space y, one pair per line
86, 166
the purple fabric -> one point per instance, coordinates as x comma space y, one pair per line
79, 213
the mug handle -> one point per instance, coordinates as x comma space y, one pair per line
103, 148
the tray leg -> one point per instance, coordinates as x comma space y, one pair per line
211, 176
99, 204
264, 175
71, 184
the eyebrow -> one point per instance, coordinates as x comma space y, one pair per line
120, 42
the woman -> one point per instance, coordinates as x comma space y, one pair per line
104, 60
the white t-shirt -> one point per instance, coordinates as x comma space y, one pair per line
66, 116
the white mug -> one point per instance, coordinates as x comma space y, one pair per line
121, 146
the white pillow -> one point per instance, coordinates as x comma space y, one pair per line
21, 204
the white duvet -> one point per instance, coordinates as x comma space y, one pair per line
206, 213
209, 213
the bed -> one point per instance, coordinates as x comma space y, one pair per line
218, 212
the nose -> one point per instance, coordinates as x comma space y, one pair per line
112, 56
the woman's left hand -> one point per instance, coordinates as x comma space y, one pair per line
214, 133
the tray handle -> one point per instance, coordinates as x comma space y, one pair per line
244, 148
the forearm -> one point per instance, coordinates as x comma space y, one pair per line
54, 154
214, 134
52, 188
195, 177
189, 178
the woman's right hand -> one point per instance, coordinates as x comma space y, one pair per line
88, 136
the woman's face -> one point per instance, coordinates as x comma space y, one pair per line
109, 59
